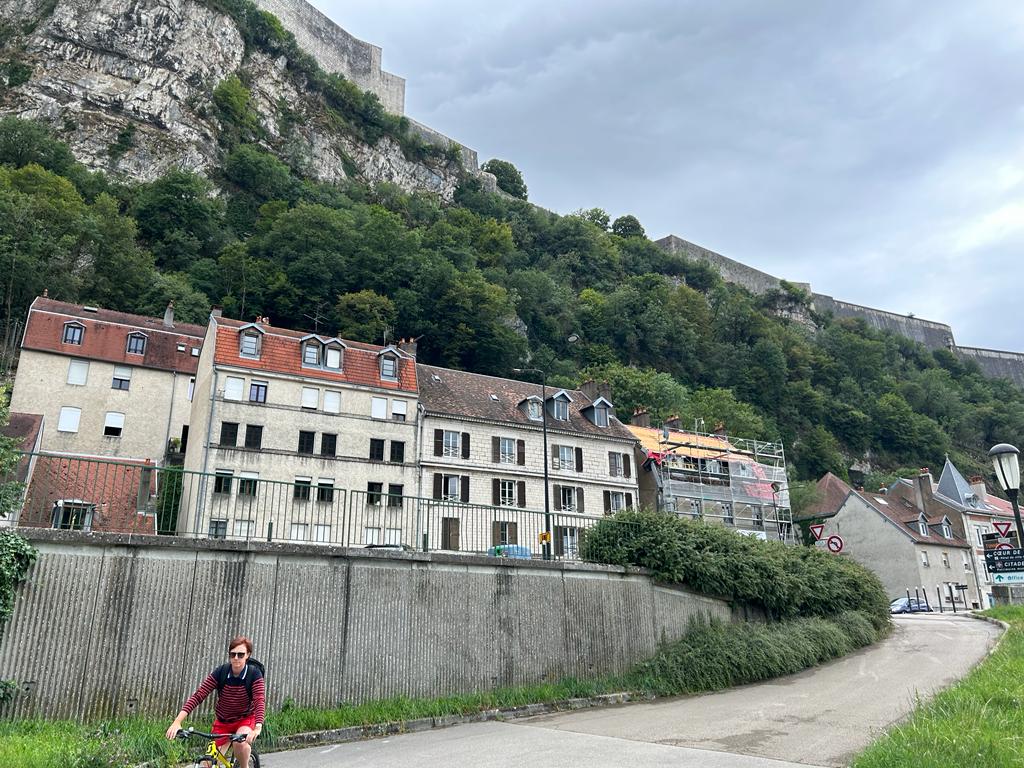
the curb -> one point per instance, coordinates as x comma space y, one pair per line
364, 732
990, 620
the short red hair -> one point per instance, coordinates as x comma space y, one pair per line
241, 640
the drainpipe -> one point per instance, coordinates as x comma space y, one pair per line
417, 441
206, 451
170, 412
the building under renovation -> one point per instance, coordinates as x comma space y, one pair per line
738, 482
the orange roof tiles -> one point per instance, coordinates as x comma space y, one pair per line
281, 352
106, 336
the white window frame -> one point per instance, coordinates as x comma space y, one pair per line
248, 480
378, 407
945, 560
234, 388
507, 493
81, 334
78, 373
447, 482
310, 398
332, 401
393, 537
61, 507
967, 561
113, 420
371, 535
316, 349
567, 498
244, 343
298, 532
947, 530
244, 528
616, 501
534, 410
560, 409
922, 526
561, 462
601, 415
333, 358
924, 559
617, 468
321, 532
191, 388
122, 373
451, 442
128, 345
70, 419
399, 410
506, 450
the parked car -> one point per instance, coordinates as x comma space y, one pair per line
909, 605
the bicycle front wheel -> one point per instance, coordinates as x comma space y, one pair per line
254, 761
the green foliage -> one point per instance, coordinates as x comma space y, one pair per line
510, 180
16, 73
16, 557
23, 142
628, 226
233, 102
366, 316
125, 141
783, 580
10, 490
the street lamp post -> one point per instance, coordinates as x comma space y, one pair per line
776, 487
1006, 461
546, 547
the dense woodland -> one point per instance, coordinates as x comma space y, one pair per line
488, 284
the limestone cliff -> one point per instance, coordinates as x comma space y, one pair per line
129, 85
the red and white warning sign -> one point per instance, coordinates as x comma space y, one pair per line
835, 544
1002, 527
816, 530
1004, 545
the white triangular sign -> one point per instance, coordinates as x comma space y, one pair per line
1002, 527
817, 530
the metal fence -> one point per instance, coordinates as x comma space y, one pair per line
141, 498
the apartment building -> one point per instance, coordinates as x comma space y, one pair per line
107, 383
300, 437
483, 444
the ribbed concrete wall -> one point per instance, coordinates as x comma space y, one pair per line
107, 625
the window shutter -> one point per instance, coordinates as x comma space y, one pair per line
513, 533
611, 463
465, 488
438, 482
579, 501
438, 442
521, 452
579, 459
607, 501
629, 500
495, 449
521, 493
465, 445
554, 456
627, 469
556, 491
496, 491
559, 540
495, 533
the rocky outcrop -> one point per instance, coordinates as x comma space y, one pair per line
129, 84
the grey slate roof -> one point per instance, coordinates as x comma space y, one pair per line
447, 392
955, 487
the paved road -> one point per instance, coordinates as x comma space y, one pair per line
821, 717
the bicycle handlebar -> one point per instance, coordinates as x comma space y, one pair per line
185, 733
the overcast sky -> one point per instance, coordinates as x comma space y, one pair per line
874, 149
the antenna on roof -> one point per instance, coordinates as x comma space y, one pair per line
317, 317
387, 332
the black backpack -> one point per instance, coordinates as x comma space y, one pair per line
220, 674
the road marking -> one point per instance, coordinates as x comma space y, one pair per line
329, 749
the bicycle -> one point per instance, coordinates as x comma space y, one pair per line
214, 758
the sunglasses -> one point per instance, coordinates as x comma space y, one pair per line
237, 654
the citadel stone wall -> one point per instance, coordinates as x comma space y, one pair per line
732, 271
928, 332
1005, 365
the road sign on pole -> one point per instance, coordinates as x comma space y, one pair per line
1002, 527
835, 544
1008, 578
816, 530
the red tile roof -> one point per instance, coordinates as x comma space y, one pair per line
24, 428
106, 336
111, 487
281, 352
894, 510
832, 492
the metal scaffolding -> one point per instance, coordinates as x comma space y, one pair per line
738, 481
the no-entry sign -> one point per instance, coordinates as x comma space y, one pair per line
834, 543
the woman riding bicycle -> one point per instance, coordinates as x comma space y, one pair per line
241, 699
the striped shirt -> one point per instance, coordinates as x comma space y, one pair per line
233, 702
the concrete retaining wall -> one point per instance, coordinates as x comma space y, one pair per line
108, 625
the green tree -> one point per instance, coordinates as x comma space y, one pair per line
23, 142
366, 316
510, 180
628, 226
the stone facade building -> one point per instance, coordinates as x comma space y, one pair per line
107, 383
483, 444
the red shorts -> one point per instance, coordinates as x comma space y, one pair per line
230, 728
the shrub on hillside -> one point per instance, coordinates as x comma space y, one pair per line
785, 581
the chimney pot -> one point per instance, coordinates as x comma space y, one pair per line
408, 346
169, 315
216, 311
641, 417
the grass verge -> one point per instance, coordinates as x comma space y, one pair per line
979, 722
710, 657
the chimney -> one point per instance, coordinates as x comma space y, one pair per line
216, 311
923, 489
641, 417
408, 346
978, 486
590, 389
672, 422
169, 315
46, 293
604, 389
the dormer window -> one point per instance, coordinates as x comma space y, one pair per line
560, 409
136, 344
333, 358
311, 353
249, 344
389, 367
533, 410
73, 333
922, 525
601, 415
947, 529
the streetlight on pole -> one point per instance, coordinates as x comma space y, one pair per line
546, 548
1006, 461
